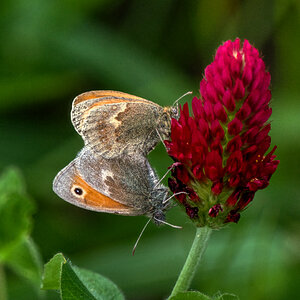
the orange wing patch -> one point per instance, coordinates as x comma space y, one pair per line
102, 94
93, 198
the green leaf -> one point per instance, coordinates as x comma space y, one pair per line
52, 272
77, 283
190, 296
25, 260
15, 211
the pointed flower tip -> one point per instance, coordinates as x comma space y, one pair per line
221, 148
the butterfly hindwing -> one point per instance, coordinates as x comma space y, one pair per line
113, 122
129, 180
70, 186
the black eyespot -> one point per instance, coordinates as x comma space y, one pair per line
78, 191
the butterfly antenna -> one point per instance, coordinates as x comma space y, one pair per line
187, 93
171, 225
168, 199
138, 239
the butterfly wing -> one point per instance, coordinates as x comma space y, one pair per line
128, 180
112, 122
70, 186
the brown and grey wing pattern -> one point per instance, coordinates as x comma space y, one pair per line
70, 186
125, 179
114, 122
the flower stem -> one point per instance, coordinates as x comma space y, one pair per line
3, 295
189, 269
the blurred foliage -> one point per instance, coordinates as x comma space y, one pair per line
17, 250
52, 50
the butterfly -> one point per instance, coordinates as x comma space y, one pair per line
124, 185
113, 123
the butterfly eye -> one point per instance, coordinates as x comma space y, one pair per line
175, 112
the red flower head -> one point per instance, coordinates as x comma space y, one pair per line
220, 149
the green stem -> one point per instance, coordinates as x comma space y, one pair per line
189, 269
3, 295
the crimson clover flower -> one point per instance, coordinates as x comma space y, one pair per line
220, 149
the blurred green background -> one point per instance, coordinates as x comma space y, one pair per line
52, 50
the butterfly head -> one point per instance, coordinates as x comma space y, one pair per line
171, 112
174, 112
174, 109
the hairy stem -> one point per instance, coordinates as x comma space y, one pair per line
189, 269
